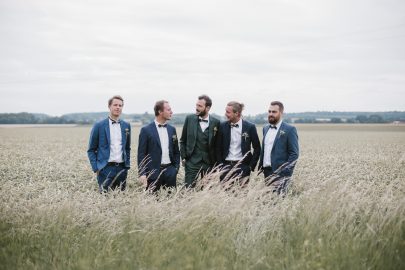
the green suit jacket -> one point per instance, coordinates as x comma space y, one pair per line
189, 137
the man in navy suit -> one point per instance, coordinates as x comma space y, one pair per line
109, 148
280, 149
158, 150
236, 138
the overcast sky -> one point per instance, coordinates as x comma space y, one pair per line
68, 56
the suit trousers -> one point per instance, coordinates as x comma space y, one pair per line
111, 177
281, 181
193, 171
231, 170
166, 179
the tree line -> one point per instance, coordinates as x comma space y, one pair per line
178, 119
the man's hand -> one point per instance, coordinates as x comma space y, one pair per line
183, 162
144, 180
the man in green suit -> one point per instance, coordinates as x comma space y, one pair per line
197, 142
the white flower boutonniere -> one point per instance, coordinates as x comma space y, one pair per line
215, 130
282, 132
174, 138
127, 131
245, 136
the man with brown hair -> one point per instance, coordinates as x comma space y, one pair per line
280, 149
109, 148
158, 150
238, 145
197, 142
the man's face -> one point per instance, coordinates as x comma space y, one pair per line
167, 111
201, 109
230, 115
274, 114
116, 108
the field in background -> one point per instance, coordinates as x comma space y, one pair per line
346, 209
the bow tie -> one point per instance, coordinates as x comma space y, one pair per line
114, 122
273, 126
234, 125
202, 120
164, 125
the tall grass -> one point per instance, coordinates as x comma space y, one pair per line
345, 210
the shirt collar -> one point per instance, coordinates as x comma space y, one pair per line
239, 123
157, 123
207, 118
111, 121
279, 124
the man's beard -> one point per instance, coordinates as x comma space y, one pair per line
273, 120
202, 113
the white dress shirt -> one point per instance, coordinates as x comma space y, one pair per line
164, 142
235, 146
116, 142
268, 144
204, 125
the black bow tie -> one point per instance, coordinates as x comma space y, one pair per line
235, 125
272, 126
114, 122
202, 120
164, 125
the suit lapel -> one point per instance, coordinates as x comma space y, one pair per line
265, 129
227, 133
170, 135
123, 134
107, 130
277, 135
195, 126
155, 133
244, 130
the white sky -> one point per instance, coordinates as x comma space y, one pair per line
68, 56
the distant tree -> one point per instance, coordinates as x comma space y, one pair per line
361, 119
374, 118
336, 120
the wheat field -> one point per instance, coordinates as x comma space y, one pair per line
345, 208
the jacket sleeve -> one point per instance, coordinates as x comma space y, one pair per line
93, 147
128, 145
293, 152
256, 147
143, 158
183, 140
176, 151
218, 145
292, 145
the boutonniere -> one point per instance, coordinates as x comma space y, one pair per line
174, 138
215, 130
245, 136
282, 132
127, 131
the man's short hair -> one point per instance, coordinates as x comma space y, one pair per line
115, 97
208, 101
237, 107
279, 104
159, 106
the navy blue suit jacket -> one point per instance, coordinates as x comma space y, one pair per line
285, 148
150, 150
249, 139
99, 144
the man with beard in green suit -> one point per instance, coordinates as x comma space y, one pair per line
197, 142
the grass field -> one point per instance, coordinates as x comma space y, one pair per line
345, 210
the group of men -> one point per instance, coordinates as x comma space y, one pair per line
232, 147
